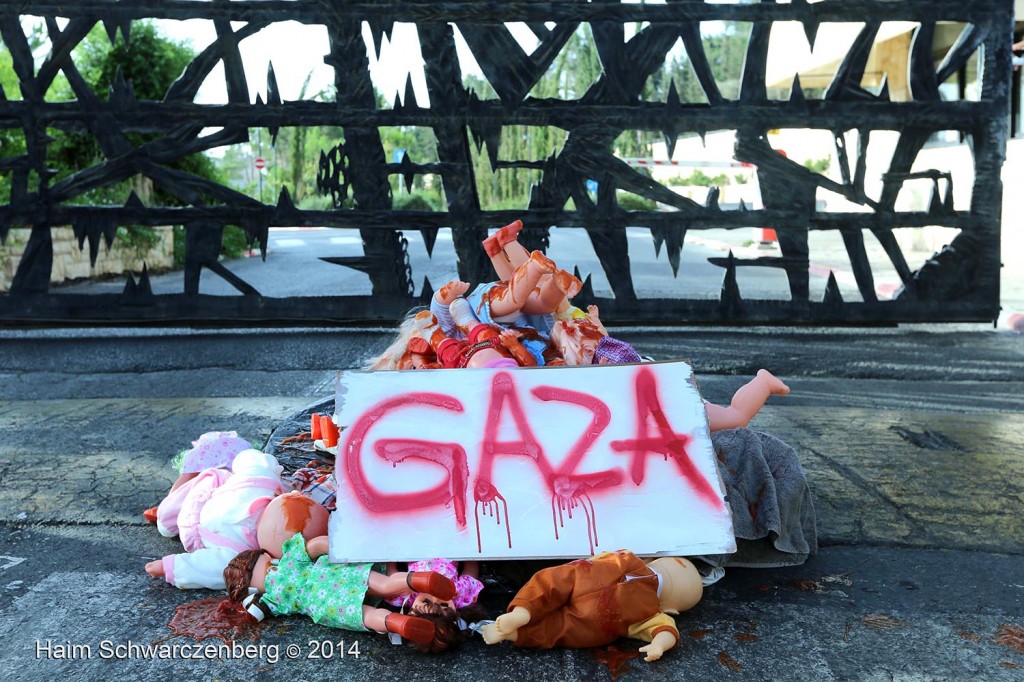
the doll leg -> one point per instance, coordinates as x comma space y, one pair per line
746, 402
418, 630
553, 293
404, 582
505, 251
510, 297
507, 255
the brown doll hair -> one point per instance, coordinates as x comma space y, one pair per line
448, 636
238, 574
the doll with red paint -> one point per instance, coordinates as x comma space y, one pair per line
247, 512
592, 602
303, 581
581, 339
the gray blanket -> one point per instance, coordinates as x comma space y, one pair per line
772, 512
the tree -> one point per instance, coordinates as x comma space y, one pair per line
151, 63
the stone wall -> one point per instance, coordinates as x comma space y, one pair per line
71, 263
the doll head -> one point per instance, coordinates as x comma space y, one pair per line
255, 464
287, 515
213, 449
681, 586
449, 623
238, 578
238, 573
577, 340
398, 355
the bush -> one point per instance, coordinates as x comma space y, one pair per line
178, 234
138, 238
232, 245
417, 201
818, 165
633, 202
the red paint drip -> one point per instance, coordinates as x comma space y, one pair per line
665, 442
568, 498
214, 617
488, 497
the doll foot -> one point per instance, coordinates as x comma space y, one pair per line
451, 291
150, 514
419, 630
494, 244
419, 346
432, 583
568, 283
492, 635
506, 627
775, 384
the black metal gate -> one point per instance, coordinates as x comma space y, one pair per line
633, 42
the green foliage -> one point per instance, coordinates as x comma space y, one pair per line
417, 201
818, 165
634, 202
178, 234
234, 242
138, 238
701, 179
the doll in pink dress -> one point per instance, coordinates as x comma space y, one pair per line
467, 585
212, 450
450, 617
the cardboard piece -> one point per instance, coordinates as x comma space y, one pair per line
556, 462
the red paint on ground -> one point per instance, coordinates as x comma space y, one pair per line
616, 660
729, 662
214, 617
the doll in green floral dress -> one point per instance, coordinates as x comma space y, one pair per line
304, 581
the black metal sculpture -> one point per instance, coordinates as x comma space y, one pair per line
961, 283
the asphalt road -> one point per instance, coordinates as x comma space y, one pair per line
293, 268
910, 437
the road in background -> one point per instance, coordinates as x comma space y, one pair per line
292, 266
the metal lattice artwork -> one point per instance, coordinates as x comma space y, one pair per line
858, 200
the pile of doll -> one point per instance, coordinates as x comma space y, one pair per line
262, 536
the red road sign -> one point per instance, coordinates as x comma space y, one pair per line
260, 163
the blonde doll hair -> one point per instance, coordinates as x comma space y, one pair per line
415, 322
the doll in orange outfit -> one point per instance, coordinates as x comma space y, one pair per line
592, 602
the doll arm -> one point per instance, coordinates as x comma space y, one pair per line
660, 630
510, 341
440, 301
662, 642
317, 547
592, 315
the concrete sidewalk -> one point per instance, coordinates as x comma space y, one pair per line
910, 437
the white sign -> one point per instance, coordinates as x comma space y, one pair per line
552, 462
